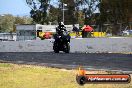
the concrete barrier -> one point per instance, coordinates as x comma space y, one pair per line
90, 45
114, 45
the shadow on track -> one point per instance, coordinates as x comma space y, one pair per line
71, 60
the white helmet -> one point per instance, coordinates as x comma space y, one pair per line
61, 23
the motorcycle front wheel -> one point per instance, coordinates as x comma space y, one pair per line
67, 48
56, 47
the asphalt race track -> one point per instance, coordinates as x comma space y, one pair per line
107, 61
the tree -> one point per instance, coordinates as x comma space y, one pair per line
80, 18
69, 11
88, 7
115, 12
43, 12
53, 14
39, 10
75, 7
6, 23
19, 20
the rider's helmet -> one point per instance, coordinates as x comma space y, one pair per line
61, 24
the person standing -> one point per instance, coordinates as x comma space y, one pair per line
76, 30
86, 31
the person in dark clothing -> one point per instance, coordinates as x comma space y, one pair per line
76, 30
61, 28
61, 31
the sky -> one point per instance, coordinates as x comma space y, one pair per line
14, 7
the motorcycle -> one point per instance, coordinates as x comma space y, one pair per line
62, 42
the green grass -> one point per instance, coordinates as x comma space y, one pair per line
5, 65
27, 76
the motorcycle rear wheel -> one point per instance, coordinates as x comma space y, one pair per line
55, 47
67, 48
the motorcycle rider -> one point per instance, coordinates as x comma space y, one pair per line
62, 39
60, 28
61, 31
